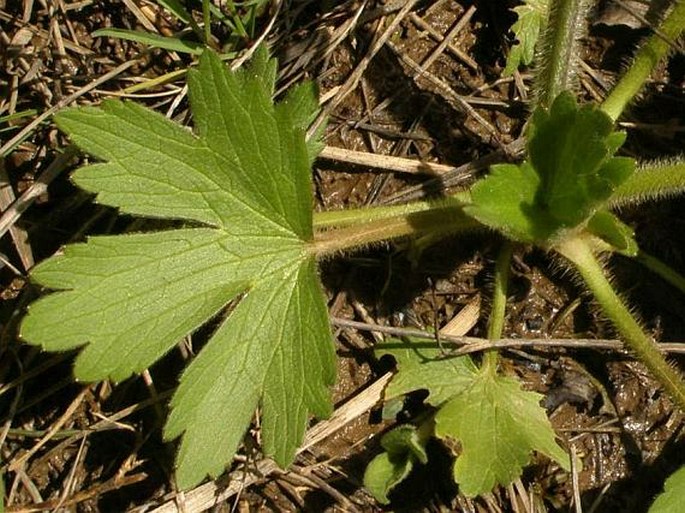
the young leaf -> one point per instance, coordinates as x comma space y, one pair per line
422, 365
245, 178
404, 446
505, 200
497, 423
672, 499
532, 16
570, 174
571, 148
614, 232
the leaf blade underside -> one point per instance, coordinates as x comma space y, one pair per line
245, 176
496, 422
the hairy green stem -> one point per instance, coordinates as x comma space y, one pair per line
206, 19
499, 303
646, 59
349, 217
649, 183
559, 55
436, 221
578, 251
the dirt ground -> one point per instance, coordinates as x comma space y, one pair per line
434, 92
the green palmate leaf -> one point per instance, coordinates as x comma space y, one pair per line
572, 148
245, 178
404, 446
496, 422
422, 365
498, 425
672, 499
505, 200
569, 176
532, 16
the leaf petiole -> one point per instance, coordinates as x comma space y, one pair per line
579, 252
661, 269
499, 303
646, 59
356, 216
356, 232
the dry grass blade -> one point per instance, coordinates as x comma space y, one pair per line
115, 483
458, 176
447, 39
64, 418
68, 100
40, 186
461, 55
384, 162
354, 78
18, 234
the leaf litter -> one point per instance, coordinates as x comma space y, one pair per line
645, 416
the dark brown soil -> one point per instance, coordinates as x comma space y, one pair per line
606, 409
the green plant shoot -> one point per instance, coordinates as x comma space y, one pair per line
246, 262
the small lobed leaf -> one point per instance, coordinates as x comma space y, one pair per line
506, 199
614, 232
404, 447
498, 425
405, 439
672, 499
570, 175
423, 366
384, 473
571, 148
532, 17
244, 176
